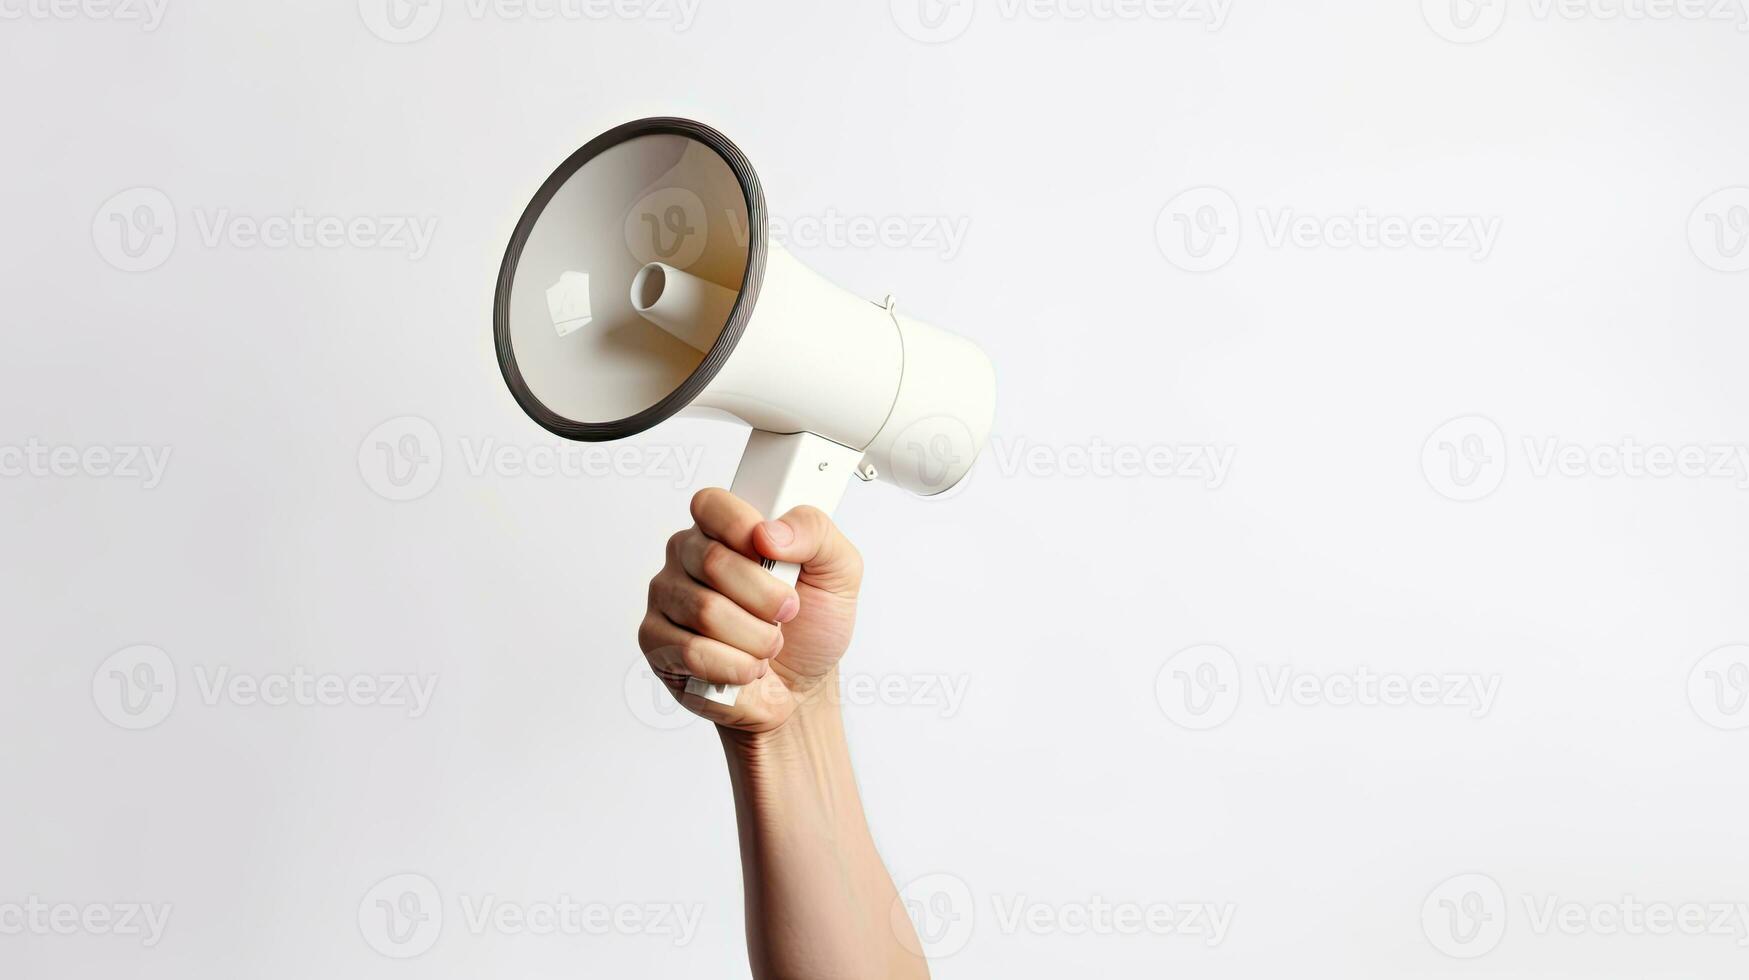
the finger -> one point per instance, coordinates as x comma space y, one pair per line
673, 651
727, 518
738, 577
808, 537
710, 613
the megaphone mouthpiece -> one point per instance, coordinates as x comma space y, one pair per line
692, 309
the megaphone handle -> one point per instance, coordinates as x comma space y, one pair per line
780, 471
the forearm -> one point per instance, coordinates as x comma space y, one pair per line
820, 904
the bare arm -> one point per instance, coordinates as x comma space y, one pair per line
820, 904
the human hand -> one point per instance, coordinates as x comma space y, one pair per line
714, 613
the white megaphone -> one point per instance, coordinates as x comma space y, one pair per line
642, 282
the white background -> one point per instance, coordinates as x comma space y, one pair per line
1069, 775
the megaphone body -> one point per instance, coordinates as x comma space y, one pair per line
642, 283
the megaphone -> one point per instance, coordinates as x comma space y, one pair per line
642, 282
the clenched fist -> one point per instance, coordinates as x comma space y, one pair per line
714, 613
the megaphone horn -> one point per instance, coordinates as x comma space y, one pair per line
642, 283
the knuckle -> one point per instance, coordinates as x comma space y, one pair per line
693, 655
716, 560
708, 609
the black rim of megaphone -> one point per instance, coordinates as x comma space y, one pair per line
707, 369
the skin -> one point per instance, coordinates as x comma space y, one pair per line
820, 904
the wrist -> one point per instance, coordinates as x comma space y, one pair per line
815, 725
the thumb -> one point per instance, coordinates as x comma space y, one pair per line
808, 537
